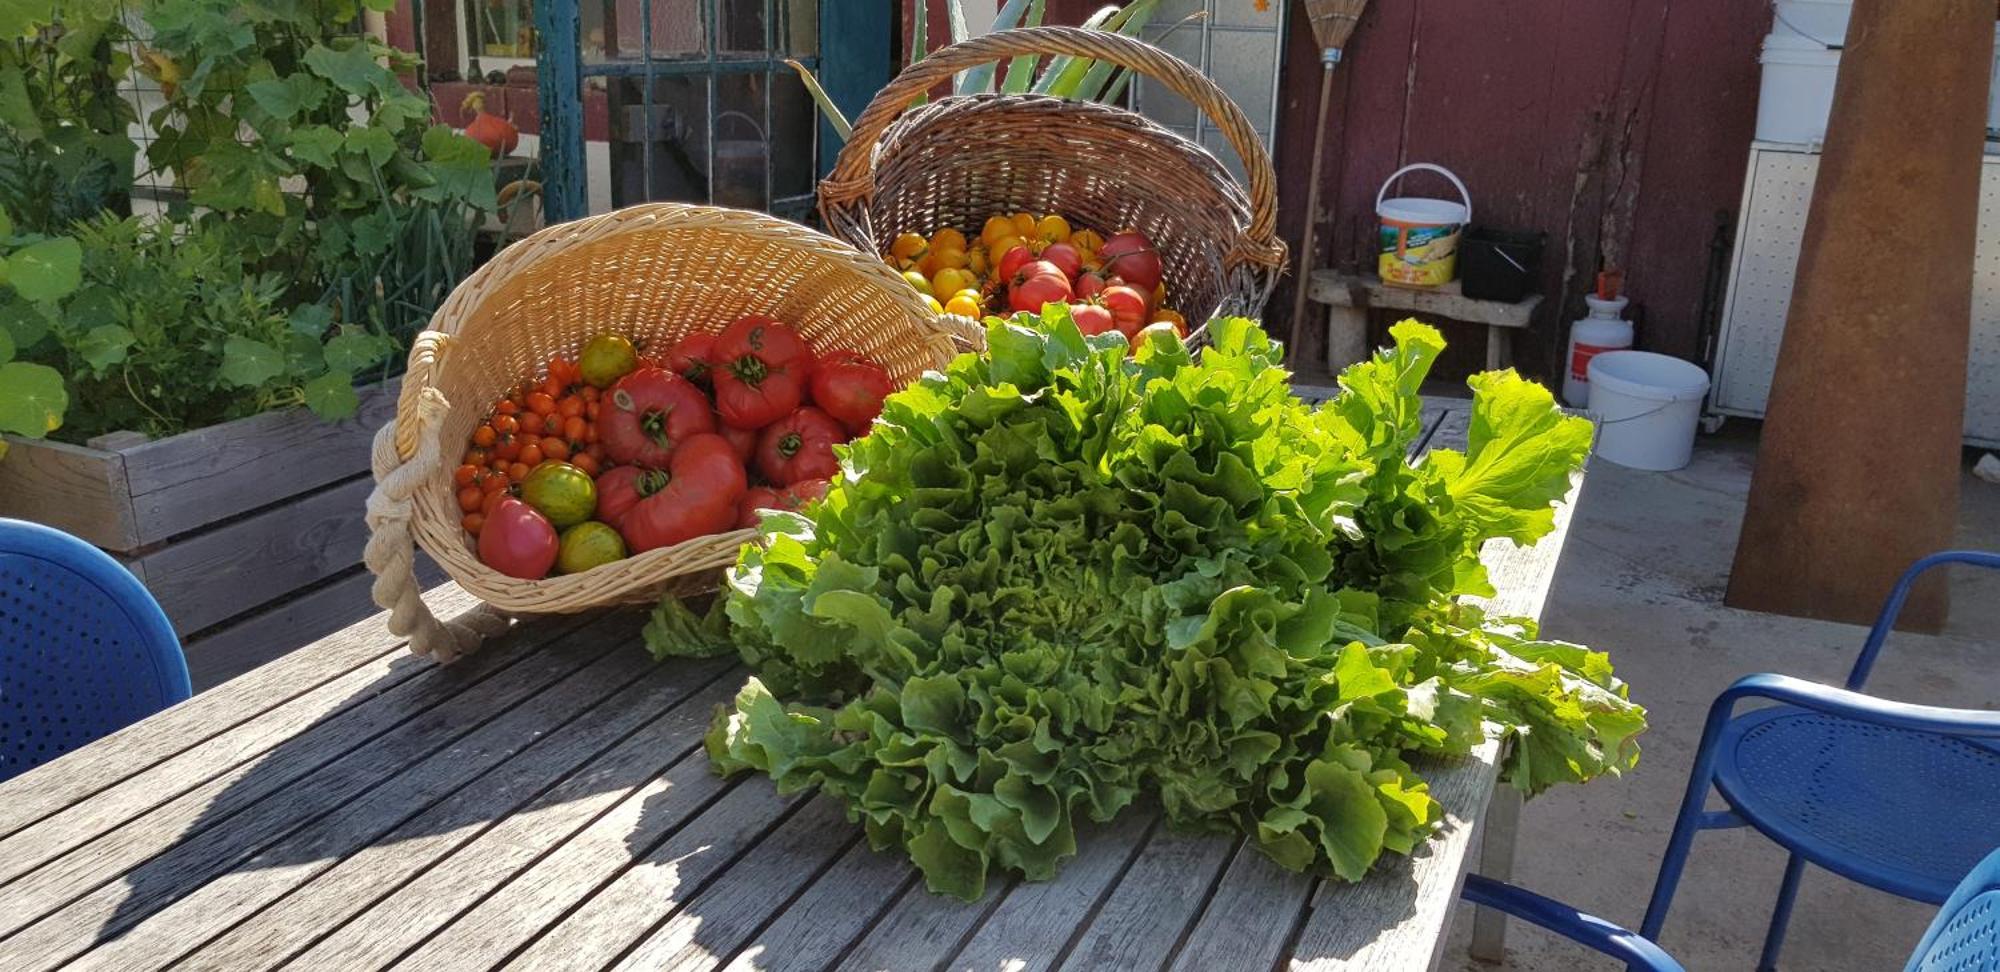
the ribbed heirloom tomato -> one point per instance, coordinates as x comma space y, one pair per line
760, 370
765, 498
800, 446
704, 483
1127, 306
690, 358
850, 388
622, 487
650, 412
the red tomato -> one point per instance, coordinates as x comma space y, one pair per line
1092, 318
1090, 284
651, 412
1013, 260
1036, 284
704, 484
760, 371
851, 388
1065, 257
622, 487
1131, 257
800, 446
744, 441
806, 491
690, 357
517, 541
1128, 308
755, 498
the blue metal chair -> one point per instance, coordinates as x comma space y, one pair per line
1900, 797
84, 649
1964, 937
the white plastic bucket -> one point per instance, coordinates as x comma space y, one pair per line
1795, 96
1822, 21
1646, 407
1419, 236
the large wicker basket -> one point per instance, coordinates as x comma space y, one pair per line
958, 160
654, 273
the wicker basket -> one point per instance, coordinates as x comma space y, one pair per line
961, 159
654, 273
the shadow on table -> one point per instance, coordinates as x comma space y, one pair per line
324, 793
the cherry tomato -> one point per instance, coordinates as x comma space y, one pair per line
492, 500
518, 471
508, 448
531, 454
569, 406
477, 457
850, 388
554, 448
506, 406
466, 475
484, 436
704, 484
574, 427
472, 522
517, 541
506, 424
583, 461
495, 480
651, 411
469, 499
532, 423
553, 387
592, 393
800, 446
541, 404
760, 369
590, 410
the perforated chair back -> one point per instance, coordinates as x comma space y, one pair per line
84, 649
1965, 935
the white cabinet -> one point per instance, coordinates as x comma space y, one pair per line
1776, 195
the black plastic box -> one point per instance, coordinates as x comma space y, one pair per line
1500, 265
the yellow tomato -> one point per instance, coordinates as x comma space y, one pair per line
964, 306
1087, 240
996, 227
1091, 263
972, 292
1159, 293
936, 308
918, 281
948, 237
1024, 224
908, 245
1052, 229
1167, 315
948, 256
975, 261
951, 280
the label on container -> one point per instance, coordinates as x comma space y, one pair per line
1580, 355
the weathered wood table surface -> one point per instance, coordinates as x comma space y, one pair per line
546, 804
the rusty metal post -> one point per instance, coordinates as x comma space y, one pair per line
1858, 471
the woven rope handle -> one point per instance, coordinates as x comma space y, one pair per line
406, 454
853, 173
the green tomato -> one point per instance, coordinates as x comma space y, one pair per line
561, 492
607, 358
587, 545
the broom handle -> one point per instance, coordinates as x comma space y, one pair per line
1306, 252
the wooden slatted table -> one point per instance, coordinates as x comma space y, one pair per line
545, 804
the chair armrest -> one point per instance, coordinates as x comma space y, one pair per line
1857, 706
1893, 606
1587, 930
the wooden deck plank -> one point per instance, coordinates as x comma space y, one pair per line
1143, 920
388, 926
192, 918
921, 923
647, 888
713, 925
1034, 922
130, 798
76, 900
1245, 922
816, 930
54, 785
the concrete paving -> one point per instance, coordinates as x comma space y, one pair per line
1643, 578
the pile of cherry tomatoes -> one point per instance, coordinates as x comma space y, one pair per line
1021, 261
618, 452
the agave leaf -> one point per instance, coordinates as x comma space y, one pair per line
1056, 76
1021, 70
826, 105
979, 80
1091, 86
1124, 76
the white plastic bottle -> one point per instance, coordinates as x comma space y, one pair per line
1604, 330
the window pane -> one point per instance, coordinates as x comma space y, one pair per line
678, 133
742, 150
794, 130
743, 28
799, 33
501, 28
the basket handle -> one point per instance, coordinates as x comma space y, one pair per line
406, 454
853, 175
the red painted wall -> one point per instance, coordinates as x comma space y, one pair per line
1619, 127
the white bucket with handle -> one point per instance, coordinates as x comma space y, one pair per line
1647, 406
1419, 237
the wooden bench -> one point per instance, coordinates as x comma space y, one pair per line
1349, 297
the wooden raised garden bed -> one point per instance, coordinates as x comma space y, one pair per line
249, 533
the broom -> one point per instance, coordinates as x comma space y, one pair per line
1333, 21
